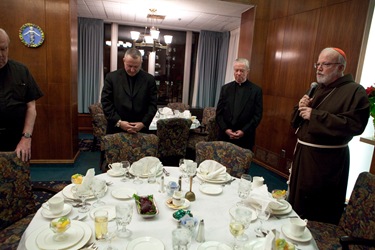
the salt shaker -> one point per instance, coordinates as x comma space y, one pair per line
162, 187
200, 235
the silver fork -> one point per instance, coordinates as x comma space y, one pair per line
166, 172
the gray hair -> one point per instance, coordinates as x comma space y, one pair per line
244, 61
133, 53
4, 33
340, 58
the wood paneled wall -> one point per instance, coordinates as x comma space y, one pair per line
54, 67
288, 36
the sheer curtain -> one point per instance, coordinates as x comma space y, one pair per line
90, 61
232, 54
211, 67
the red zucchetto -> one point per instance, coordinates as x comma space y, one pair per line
341, 52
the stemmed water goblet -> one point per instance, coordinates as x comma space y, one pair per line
124, 214
111, 233
244, 188
98, 189
138, 170
191, 170
263, 214
83, 194
125, 167
182, 165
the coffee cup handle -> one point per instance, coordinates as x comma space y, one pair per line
45, 205
110, 166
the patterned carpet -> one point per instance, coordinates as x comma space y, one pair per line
87, 145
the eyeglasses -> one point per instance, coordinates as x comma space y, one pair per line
324, 65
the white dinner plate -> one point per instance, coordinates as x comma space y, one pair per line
123, 193
257, 244
110, 209
47, 214
73, 234
145, 243
213, 245
276, 206
227, 178
210, 189
31, 240
131, 171
169, 204
113, 173
284, 211
305, 237
69, 193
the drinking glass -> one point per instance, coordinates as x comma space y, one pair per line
236, 228
263, 215
98, 189
191, 169
244, 214
138, 171
181, 238
111, 233
83, 194
126, 167
183, 169
244, 188
124, 214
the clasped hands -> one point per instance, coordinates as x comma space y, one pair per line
304, 107
131, 127
234, 135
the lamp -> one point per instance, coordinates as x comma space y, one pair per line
151, 39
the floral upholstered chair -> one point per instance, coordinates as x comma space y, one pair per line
129, 147
17, 203
99, 122
357, 224
173, 136
178, 106
237, 160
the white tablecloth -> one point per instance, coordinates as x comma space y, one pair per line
195, 124
214, 209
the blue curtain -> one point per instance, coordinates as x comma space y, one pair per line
212, 59
90, 61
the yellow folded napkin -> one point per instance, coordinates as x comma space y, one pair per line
212, 170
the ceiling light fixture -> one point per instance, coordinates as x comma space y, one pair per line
151, 39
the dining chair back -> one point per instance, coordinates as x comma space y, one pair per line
129, 147
237, 160
178, 106
356, 227
173, 136
98, 121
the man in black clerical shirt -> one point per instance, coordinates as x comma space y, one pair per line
129, 96
240, 107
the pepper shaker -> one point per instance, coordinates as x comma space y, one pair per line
179, 182
200, 235
162, 187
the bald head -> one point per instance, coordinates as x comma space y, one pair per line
4, 47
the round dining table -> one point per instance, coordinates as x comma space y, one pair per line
210, 205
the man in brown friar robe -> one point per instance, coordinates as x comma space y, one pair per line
326, 121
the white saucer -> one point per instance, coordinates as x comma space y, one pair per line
227, 178
113, 173
31, 244
287, 210
169, 204
305, 237
210, 189
255, 244
47, 214
131, 171
110, 209
213, 245
73, 234
145, 243
123, 193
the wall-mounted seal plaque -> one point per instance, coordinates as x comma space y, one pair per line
31, 35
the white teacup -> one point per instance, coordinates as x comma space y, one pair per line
257, 181
297, 226
178, 198
55, 205
116, 167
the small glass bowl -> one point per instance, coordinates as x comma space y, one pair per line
59, 227
279, 194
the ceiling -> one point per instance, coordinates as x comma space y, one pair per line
194, 15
